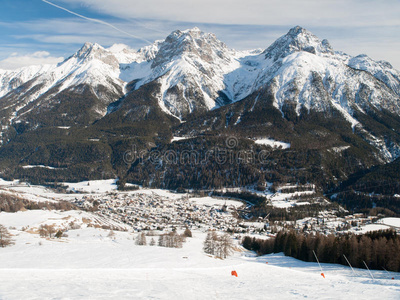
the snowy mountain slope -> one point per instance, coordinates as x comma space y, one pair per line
11, 79
33, 92
92, 65
381, 70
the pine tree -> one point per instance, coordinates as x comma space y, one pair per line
59, 234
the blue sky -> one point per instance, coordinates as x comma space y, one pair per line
35, 32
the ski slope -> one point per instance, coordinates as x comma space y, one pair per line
90, 264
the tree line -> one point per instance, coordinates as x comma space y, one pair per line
379, 250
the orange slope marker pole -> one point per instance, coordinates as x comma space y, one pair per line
322, 272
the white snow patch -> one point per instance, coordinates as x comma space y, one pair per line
272, 143
180, 138
40, 166
93, 186
370, 227
340, 149
8, 183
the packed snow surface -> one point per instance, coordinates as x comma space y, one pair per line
90, 264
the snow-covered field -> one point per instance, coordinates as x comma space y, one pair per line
393, 222
90, 264
94, 186
371, 227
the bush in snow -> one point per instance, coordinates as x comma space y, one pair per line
5, 237
187, 233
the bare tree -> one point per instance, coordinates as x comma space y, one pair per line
5, 237
47, 230
225, 246
210, 242
171, 240
220, 246
52, 230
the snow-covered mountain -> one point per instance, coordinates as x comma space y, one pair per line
190, 66
302, 69
193, 72
30, 94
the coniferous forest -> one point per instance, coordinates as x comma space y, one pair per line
379, 250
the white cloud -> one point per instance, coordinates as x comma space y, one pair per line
256, 12
350, 26
15, 60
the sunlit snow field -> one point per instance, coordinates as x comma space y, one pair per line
88, 264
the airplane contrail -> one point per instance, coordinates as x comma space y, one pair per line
97, 21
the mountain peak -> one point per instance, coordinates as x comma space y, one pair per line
193, 30
87, 49
295, 31
188, 35
296, 40
190, 42
92, 52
